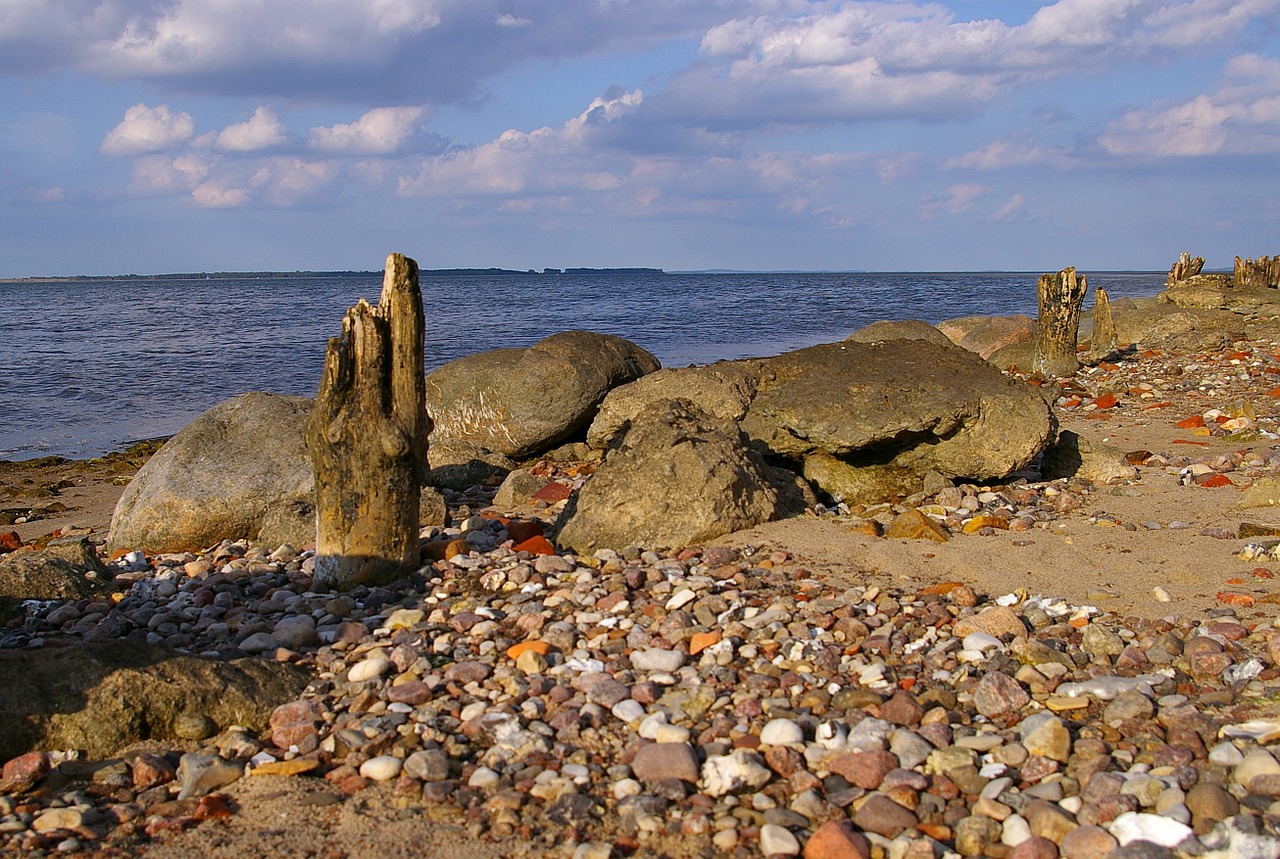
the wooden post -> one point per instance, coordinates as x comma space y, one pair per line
367, 436
1061, 296
1104, 325
1184, 269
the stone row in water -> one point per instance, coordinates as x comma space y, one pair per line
730, 700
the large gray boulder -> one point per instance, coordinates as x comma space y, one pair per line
677, 476
901, 329
522, 402
1178, 329
238, 471
908, 403
723, 390
989, 334
102, 697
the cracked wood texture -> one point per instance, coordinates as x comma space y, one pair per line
1060, 296
367, 437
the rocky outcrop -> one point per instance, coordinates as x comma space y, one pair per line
521, 402
238, 471
101, 698
862, 421
677, 476
67, 569
1175, 329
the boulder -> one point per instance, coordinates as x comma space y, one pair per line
1075, 456
457, 464
677, 476
860, 485
908, 403
987, 334
103, 697
723, 390
238, 471
67, 569
1178, 329
904, 329
521, 402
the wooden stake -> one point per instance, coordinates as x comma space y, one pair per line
367, 437
1104, 325
1061, 296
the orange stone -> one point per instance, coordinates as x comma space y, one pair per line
1234, 598
977, 523
1190, 423
1189, 441
942, 588
296, 766
1153, 406
523, 529
1137, 457
536, 645
700, 641
536, 546
553, 492
1216, 481
1106, 401
1274, 392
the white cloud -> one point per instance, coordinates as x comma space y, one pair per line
957, 199
260, 131
381, 131
217, 195
1011, 209
506, 20
148, 129
160, 175
1241, 117
1007, 154
43, 196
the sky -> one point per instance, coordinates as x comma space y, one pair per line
153, 136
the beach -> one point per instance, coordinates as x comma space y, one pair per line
1108, 580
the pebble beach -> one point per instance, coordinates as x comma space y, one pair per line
749, 698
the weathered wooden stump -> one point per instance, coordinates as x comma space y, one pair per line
367, 437
1060, 296
1104, 325
1262, 273
1184, 269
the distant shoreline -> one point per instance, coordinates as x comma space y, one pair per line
506, 272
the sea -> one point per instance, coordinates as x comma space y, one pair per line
90, 365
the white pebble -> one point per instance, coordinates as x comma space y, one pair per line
1135, 826
1014, 830
781, 732
681, 598
483, 778
777, 840
370, 669
628, 710
381, 768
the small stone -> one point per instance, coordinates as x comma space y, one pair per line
656, 762
292, 767
881, 815
995, 621
777, 840
999, 694
53, 819
1087, 842
1046, 735
836, 839
368, 669
1210, 803
1255, 763
722, 774
427, 765
295, 632
654, 659
781, 732
864, 769
914, 525
1156, 828
1034, 847
381, 768
199, 774
974, 836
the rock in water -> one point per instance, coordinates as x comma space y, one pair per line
238, 471
705, 485
521, 402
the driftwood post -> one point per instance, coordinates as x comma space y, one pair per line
1104, 325
1060, 296
367, 436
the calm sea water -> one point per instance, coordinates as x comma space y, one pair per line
89, 366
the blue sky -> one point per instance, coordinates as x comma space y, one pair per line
157, 136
